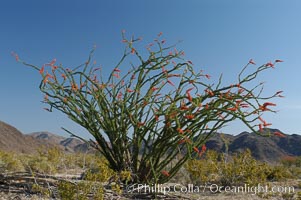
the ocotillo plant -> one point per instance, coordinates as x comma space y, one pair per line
150, 119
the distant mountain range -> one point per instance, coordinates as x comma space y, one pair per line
268, 149
71, 145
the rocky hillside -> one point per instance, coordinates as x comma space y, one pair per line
67, 144
13, 140
263, 148
71, 145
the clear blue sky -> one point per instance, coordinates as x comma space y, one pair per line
218, 36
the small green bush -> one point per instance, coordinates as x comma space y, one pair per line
99, 172
278, 172
41, 164
241, 169
80, 190
10, 162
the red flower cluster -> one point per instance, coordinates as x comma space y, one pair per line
203, 149
265, 105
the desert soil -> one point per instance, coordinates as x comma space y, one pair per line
16, 187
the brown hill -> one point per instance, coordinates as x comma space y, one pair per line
68, 144
48, 137
13, 140
269, 149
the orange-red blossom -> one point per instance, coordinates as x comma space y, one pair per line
129, 90
180, 130
46, 78
265, 105
16, 56
46, 98
119, 96
237, 105
170, 82
140, 124
189, 116
251, 61
74, 87
265, 124
42, 70
203, 149
116, 75
209, 92
165, 173
155, 88
232, 108
277, 133
184, 140
189, 97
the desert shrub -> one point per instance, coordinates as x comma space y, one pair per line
241, 169
86, 161
45, 161
298, 161
41, 165
36, 188
77, 160
205, 169
100, 172
157, 111
83, 190
52, 160
295, 172
10, 161
277, 173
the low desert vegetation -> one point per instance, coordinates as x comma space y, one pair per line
76, 176
96, 177
239, 169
